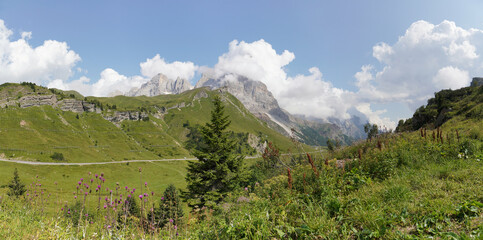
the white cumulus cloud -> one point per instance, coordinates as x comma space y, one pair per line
110, 82
21, 62
426, 59
155, 65
303, 94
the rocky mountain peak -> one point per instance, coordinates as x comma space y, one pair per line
160, 85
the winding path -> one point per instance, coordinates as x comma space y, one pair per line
113, 162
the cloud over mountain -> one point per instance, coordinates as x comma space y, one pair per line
425, 59
155, 65
302, 94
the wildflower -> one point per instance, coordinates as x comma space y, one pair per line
102, 174
246, 189
126, 187
129, 196
171, 220
87, 215
162, 198
133, 190
68, 212
105, 206
79, 183
141, 196
146, 184
152, 193
92, 180
90, 173
86, 193
75, 197
175, 227
82, 179
97, 175
140, 169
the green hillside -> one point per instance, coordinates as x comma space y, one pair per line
446, 104
36, 133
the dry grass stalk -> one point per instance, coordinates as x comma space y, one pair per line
312, 164
289, 178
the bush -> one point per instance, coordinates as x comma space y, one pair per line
169, 208
16, 187
57, 156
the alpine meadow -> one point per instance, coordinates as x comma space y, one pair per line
381, 139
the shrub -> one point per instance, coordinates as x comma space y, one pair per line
169, 209
57, 156
17, 188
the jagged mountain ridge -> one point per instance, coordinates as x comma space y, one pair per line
160, 85
261, 102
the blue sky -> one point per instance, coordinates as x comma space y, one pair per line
336, 37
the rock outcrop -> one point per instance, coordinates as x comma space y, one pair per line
118, 117
160, 85
260, 102
255, 97
37, 100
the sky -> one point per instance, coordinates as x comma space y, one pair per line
378, 59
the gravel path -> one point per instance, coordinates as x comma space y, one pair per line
103, 163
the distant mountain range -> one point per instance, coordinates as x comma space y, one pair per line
260, 102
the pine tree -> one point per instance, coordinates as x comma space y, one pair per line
17, 188
218, 169
169, 207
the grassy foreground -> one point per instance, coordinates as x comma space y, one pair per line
399, 186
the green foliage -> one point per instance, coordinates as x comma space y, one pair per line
195, 140
371, 130
217, 170
169, 209
56, 156
445, 105
75, 213
330, 145
16, 187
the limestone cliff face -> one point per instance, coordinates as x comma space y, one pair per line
159, 85
255, 97
260, 101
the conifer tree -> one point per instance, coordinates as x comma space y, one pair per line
169, 207
17, 188
218, 169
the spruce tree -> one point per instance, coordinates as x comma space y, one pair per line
218, 169
17, 188
169, 207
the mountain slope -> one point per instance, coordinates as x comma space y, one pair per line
464, 102
38, 123
261, 102
159, 85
